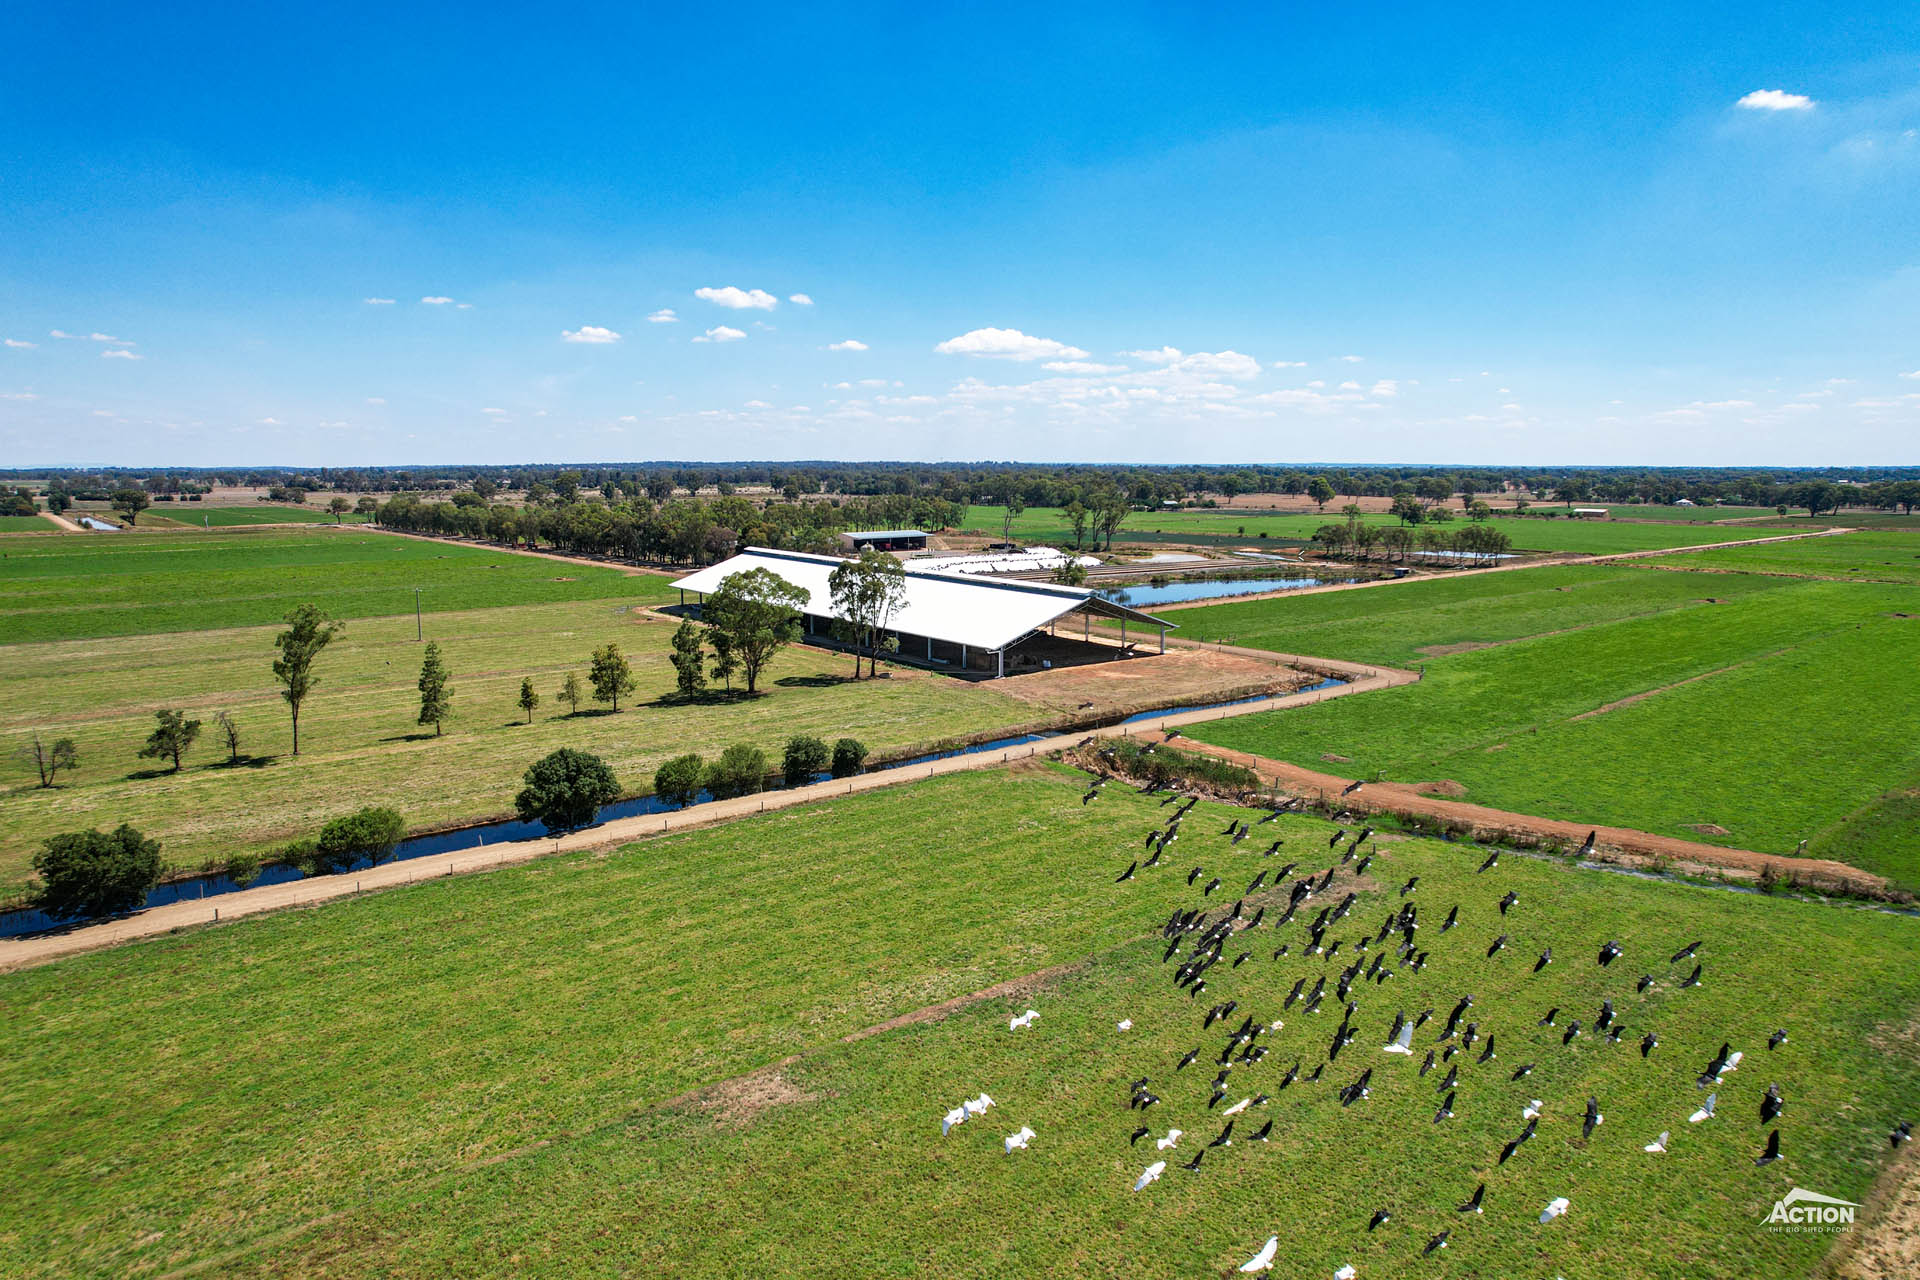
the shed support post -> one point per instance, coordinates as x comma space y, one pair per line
1163, 639
929, 648
1000, 663
963, 657
1123, 633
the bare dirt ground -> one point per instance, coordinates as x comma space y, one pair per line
1886, 1244
1178, 675
1621, 845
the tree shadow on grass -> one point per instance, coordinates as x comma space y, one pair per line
147, 775
813, 682
711, 698
243, 762
411, 737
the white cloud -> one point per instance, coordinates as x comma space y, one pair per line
1353, 359
1386, 387
851, 344
118, 353
1082, 366
757, 404
1915, 374
436, 300
270, 422
1008, 344
496, 413
738, 299
18, 395
1165, 355
1288, 364
1220, 364
107, 337
21, 345
1776, 100
591, 334
60, 333
665, 315
800, 299
378, 302
721, 333
376, 399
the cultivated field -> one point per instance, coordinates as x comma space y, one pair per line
26, 524
359, 741
1586, 537
1739, 709
136, 584
623, 1064
197, 515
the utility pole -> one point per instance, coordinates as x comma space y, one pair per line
418, 635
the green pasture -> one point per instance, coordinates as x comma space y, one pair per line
139, 584
26, 524
545, 1070
1783, 712
1878, 555
1587, 537
359, 741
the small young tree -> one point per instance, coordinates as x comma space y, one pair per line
171, 738
564, 791
740, 771
372, 833
49, 758
96, 873
724, 663
689, 660
529, 700
849, 757
610, 674
678, 781
229, 729
1016, 506
339, 507
308, 632
436, 698
571, 693
756, 614
805, 757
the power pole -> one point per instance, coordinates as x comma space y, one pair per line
418, 635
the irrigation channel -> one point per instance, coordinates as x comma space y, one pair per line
27, 921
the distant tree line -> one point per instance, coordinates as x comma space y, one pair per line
1053, 485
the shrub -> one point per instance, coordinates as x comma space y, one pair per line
677, 782
739, 771
243, 868
805, 758
372, 833
565, 790
849, 757
96, 873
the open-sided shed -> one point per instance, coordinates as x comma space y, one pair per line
950, 618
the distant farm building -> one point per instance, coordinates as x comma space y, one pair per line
957, 621
885, 540
1589, 513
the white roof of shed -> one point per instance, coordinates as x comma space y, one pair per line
982, 613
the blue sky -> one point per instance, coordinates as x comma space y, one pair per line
1101, 233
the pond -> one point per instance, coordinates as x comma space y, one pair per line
1147, 595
